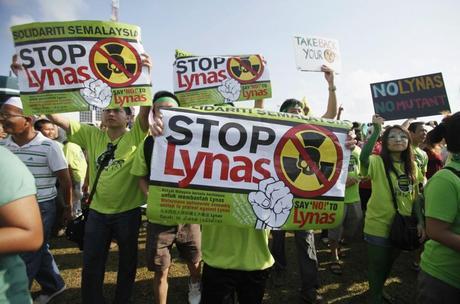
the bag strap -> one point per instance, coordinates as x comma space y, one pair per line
108, 154
393, 195
456, 172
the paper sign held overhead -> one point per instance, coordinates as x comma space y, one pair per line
312, 52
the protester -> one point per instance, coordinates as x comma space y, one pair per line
78, 167
439, 279
435, 159
46, 127
396, 162
352, 213
304, 239
45, 160
115, 208
417, 133
160, 238
19, 231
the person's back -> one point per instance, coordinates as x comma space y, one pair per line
439, 278
46, 161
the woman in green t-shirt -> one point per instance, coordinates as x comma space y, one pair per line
396, 160
439, 279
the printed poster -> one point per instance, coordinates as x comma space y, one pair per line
312, 52
248, 168
210, 80
410, 97
80, 66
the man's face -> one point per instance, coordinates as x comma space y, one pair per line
162, 104
48, 130
13, 120
419, 135
297, 109
114, 118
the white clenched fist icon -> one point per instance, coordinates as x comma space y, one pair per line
272, 203
96, 93
230, 89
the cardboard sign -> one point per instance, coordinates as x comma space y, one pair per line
313, 52
80, 65
220, 79
248, 168
410, 97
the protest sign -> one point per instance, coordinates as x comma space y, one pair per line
313, 52
220, 79
80, 65
248, 168
410, 97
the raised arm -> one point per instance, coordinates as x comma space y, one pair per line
331, 111
60, 121
145, 110
259, 104
366, 151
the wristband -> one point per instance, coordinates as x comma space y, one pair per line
332, 88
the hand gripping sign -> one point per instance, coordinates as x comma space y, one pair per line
220, 79
248, 168
80, 65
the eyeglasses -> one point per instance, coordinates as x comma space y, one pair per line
8, 116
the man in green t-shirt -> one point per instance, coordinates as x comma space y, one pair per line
418, 133
161, 238
115, 207
20, 231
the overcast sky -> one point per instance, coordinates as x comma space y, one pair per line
379, 40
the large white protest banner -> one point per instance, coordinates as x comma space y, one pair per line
312, 52
248, 168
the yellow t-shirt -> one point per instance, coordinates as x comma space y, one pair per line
76, 160
228, 247
380, 209
117, 190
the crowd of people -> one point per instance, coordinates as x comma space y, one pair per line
401, 168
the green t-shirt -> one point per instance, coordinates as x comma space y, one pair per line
442, 202
117, 190
16, 182
76, 160
380, 209
421, 158
228, 247
352, 192
139, 167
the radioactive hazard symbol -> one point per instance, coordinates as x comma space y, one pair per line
115, 62
309, 160
245, 69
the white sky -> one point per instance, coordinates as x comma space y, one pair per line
379, 40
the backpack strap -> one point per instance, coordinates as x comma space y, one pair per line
148, 148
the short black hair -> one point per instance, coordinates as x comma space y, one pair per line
160, 94
448, 129
38, 125
413, 126
289, 103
